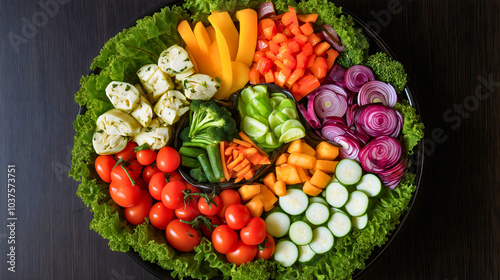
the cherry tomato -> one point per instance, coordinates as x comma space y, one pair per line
255, 232
210, 209
103, 165
228, 197
123, 194
148, 172
133, 168
242, 253
224, 239
188, 212
168, 159
141, 184
160, 215
237, 216
182, 236
156, 185
138, 212
174, 176
208, 232
172, 195
128, 153
146, 157
193, 189
267, 250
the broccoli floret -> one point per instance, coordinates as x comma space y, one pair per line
387, 70
210, 123
198, 175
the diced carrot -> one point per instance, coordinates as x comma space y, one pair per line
255, 207
307, 48
331, 55
242, 165
321, 48
283, 158
294, 15
310, 61
293, 46
269, 180
242, 143
280, 188
295, 146
308, 84
306, 29
254, 76
267, 197
248, 192
306, 149
308, 17
257, 55
290, 175
325, 150
301, 39
274, 46
303, 175
319, 68
327, 166
313, 39
245, 138
269, 76
279, 174
301, 60
295, 29
279, 38
272, 55
279, 78
303, 160
320, 179
255, 158
310, 189
296, 74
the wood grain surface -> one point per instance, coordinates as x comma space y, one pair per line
449, 49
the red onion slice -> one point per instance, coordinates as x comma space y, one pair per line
377, 91
312, 120
332, 130
336, 75
351, 114
331, 119
378, 120
380, 154
329, 104
333, 38
265, 10
359, 135
350, 147
393, 176
356, 76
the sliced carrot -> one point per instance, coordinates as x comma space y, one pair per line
242, 143
307, 29
229, 160
235, 162
229, 150
264, 161
255, 159
321, 48
313, 39
310, 189
245, 138
249, 152
249, 174
223, 145
242, 165
320, 179
244, 171
331, 55
283, 158
308, 17
248, 192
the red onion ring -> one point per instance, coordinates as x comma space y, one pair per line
332, 130
378, 120
310, 118
356, 76
330, 101
333, 38
377, 91
350, 147
380, 154
265, 10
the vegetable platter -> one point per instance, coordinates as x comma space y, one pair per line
237, 139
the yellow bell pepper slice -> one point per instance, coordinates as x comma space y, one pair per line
225, 24
240, 75
248, 36
189, 38
226, 72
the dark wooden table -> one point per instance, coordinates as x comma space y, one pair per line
449, 49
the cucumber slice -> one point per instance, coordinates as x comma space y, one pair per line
282, 117
289, 124
250, 110
357, 204
254, 128
295, 202
322, 241
339, 224
336, 194
277, 224
278, 94
305, 253
271, 139
273, 121
292, 134
286, 103
247, 94
348, 172
300, 233
286, 253
277, 130
290, 112
361, 221
317, 199
242, 108
317, 213
370, 184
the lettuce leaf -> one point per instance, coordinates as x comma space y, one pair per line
120, 58
413, 129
